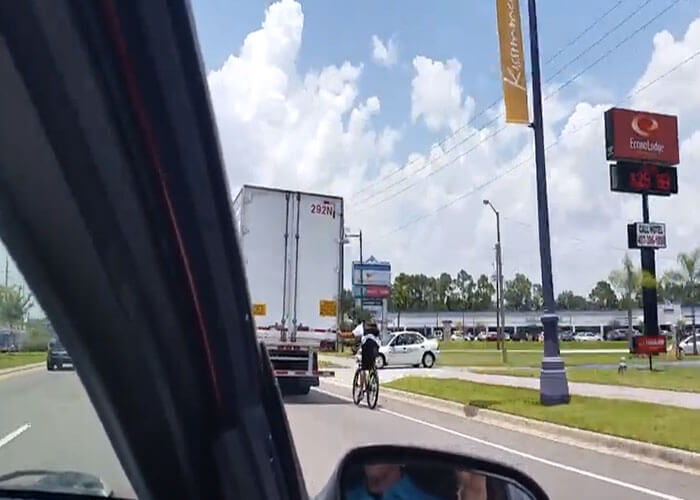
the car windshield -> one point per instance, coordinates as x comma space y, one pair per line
520, 190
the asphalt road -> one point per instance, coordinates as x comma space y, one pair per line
61, 429
56, 428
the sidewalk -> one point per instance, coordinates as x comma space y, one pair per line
563, 351
689, 400
672, 398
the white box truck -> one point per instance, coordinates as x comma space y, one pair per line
291, 246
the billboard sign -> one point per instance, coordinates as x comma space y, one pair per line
648, 344
641, 136
371, 277
646, 235
371, 291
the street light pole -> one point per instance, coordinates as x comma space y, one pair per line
554, 388
498, 303
501, 316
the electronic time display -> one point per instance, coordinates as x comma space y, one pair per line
643, 178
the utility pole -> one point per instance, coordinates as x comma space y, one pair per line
554, 388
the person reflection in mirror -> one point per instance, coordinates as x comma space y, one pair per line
387, 482
471, 486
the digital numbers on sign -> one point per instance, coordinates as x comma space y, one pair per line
643, 178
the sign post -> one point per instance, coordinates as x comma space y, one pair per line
645, 146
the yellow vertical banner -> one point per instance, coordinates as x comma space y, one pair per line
510, 40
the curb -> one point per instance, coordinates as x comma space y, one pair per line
653, 454
15, 369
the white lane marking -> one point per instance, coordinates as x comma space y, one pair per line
512, 451
12, 435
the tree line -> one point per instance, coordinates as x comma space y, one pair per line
621, 290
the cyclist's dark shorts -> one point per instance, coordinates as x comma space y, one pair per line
370, 351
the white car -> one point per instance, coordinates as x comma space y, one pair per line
408, 348
587, 337
686, 345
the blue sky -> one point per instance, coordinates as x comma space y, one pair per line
301, 103
339, 31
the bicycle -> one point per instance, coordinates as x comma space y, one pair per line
371, 389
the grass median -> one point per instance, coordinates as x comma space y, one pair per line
672, 378
658, 424
15, 359
526, 359
451, 345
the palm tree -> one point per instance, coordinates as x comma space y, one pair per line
687, 280
627, 282
400, 296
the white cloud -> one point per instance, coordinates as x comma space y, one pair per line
284, 128
436, 93
311, 131
384, 54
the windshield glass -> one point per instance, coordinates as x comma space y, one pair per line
50, 436
417, 115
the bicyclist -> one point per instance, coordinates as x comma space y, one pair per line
370, 348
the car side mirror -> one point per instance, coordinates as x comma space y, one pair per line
410, 472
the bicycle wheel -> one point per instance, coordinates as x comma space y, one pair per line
372, 389
356, 388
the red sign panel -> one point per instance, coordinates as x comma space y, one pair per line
649, 344
641, 136
377, 291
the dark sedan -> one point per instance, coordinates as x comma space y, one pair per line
57, 356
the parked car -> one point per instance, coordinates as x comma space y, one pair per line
619, 334
57, 356
566, 336
483, 335
408, 348
686, 345
587, 337
457, 336
519, 335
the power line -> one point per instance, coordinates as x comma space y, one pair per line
465, 125
428, 161
568, 82
438, 145
452, 161
573, 238
663, 75
581, 35
557, 141
599, 40
611, 50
